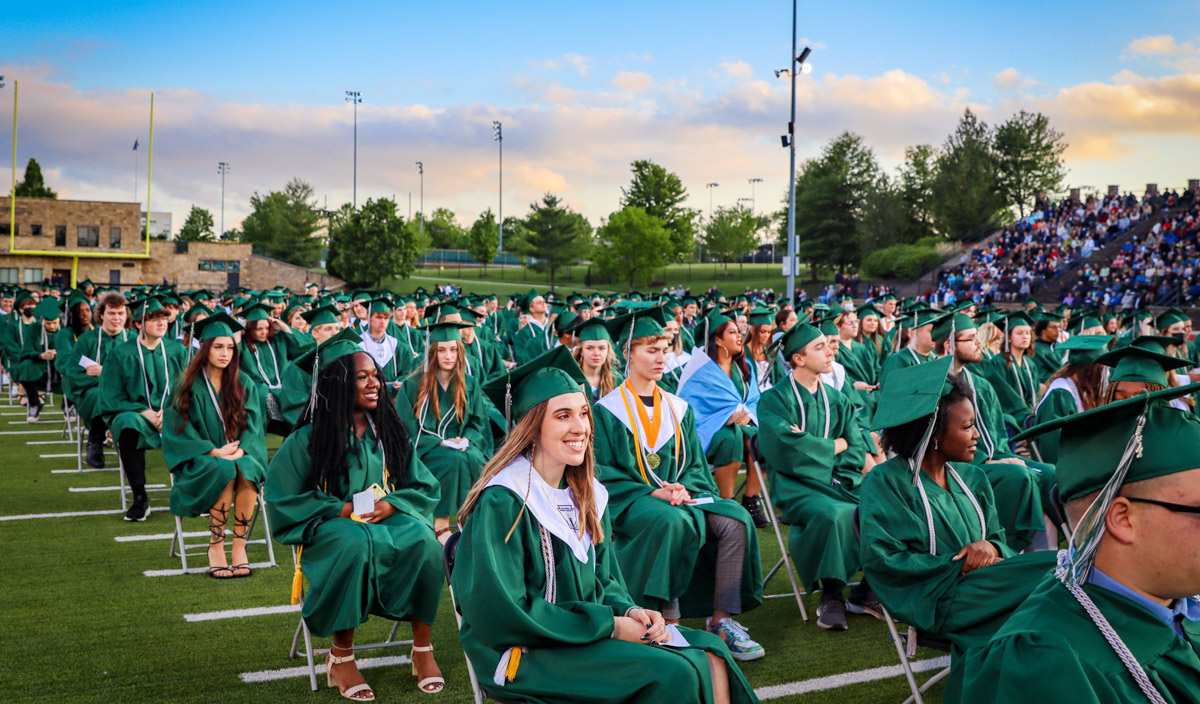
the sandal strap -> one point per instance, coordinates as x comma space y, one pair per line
423, 648
428, 681
356, 689
335, 660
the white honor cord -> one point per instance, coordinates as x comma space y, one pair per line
803, 415
988, 443
258, 363
100, 338
443, 422
146, 378
216, 404
929, 509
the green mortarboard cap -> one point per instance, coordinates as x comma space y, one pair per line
147, 305
258, 311
1084, 349
380, 305
919, 318
527, 300
761, 316
1016, 320
1086, 322
171, 298
796, 339
1046, 315
951, 321
640, 322
219, 324
85, 283
445, 332
888, 297
713, 322
829, 327
1092, 443
194, 311
1169, 317
48, 309
1145, 360
321, 316
590, 330
868, 309
912, 393
23, 297
340, 345
563, 322
468, 315
552, 374
360, 295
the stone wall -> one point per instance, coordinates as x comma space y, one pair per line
267, 272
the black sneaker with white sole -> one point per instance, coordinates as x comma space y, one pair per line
831, 613
864, 602
139, 509
95, 455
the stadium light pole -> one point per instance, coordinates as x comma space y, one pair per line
421, 212
355, 97
752, 182
789, 141
222, 168
710, 187
498, 137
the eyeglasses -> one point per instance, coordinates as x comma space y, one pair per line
1176, 508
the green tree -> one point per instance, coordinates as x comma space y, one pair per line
632, 245
661, 194
373, 243
1028, 158
33, 186
967, 202
198, 227
483, 239
917, 176
730, 234
282, 224
884, 220
555, 236
444, 232
233, 234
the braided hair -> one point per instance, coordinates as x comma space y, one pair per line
332, 420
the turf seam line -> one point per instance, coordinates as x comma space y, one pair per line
302, 671
68, 514
846, 679
242, 613
196, 570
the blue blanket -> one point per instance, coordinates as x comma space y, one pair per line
713, 397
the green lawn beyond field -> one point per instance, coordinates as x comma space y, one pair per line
83, 620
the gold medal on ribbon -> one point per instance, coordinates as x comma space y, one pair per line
653, 460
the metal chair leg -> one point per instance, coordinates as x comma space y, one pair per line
787, 563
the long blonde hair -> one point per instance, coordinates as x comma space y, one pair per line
520, 441
606, 374
428, 392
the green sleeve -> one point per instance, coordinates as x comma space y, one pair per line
420, 492
184, 442
65, 346
608, 571
802, 455
120, 383
476, 424
293, 395
615, 464
1057, 404
695, 475
254, 435
294, 509
1033, 667
849, 425
85, 345
490, 578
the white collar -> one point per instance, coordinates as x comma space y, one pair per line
541, 499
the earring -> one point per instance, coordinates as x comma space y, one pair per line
935, 444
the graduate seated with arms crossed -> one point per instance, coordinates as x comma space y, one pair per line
215, 445
383, 347
546, 614
350, 448
814, 452
1118, 621
681, 547
444, 410
134, 389
720, 387
932, 544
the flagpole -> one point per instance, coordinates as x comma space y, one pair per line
136, 163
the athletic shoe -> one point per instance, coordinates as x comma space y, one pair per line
95, 455
69, 414
753, 506
864, 602
31, 415
741, 647
831, 612
139, 509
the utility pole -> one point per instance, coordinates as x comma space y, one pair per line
354, 96
789, 140
421, 171
498, 137
222, 168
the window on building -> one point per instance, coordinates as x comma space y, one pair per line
114, 237
88, 236
33, 276
9, 274
35, 230
233, 265
218, 265
4, 229
60, 235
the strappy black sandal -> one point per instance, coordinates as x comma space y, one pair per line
243, 525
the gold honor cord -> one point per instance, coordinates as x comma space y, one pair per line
637, 441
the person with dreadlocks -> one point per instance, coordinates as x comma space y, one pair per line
682, 548
134, 389
1118, 621
351, 447
932, 546
444, 410
214, 443
594, 355
546, 614
1077, 387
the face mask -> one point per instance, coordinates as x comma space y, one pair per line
674, 338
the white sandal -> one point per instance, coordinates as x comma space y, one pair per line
440, 681
349, 693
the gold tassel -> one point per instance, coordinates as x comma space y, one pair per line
514, 661
298, 579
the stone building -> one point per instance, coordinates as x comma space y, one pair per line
55, 239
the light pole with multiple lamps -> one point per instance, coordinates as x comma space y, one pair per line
752, 182
355, 97
498, 137
789, 141
421, 212
223, 168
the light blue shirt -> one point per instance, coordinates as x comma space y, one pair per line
1187, 608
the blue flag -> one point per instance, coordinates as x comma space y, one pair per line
713, 397
135, 143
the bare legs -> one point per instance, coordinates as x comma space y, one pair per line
720, 679
243, 496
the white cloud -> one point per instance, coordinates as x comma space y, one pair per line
1010, 78
1183, 57
633, 82
737, 69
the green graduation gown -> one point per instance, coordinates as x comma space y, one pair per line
1016, 387
124, 383
484, 361
531, 341
901, 359
929, 591
267, 363
199, 478
64, 342
32, 368
1050, 651
814, 489
500, 584
95, 344
1057, 403
293, 396
1045, 359
455, 470
664, 550
391, 569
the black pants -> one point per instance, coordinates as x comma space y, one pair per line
96, 432
133, 460
32, 393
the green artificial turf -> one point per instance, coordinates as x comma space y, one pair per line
81, 623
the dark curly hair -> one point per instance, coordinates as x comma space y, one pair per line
905, 440
332, 420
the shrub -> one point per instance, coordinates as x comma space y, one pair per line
901, 261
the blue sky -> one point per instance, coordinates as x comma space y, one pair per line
583, 89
